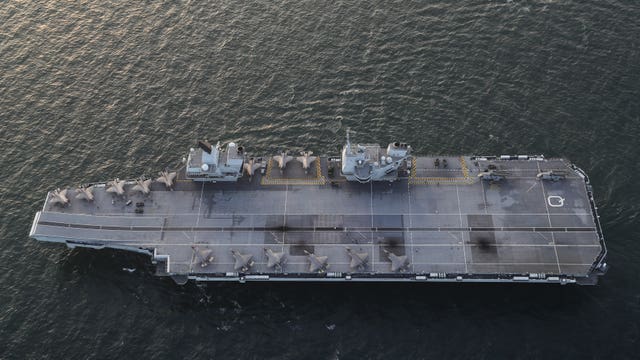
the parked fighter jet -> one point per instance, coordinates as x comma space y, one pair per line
493, 175
251, 166
59, 197
85, 193
116, 186
398, 262
358, 260
243, 261
167, 178
306, 159
143, 186
317, 263
553, 175
282, 160
275, 259
204, 256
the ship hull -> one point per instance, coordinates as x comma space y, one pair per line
449, 223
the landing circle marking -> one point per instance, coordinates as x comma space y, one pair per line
555, 201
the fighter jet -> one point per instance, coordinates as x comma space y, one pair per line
358, 260
251, 166
59, 197
116, 186
85, 193
243, 261
493, 175
275, 259
306, 159
398, 262
143, 186
317, 263
282, 160
553, 175
205, 256
167, 178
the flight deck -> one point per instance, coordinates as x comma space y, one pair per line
432, 218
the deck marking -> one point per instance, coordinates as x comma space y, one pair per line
555, 201
546, 206
410, 225
465, 179
158, 216
185, 235
418, 263
464, 252
284, 233
303, 265
237, 230
133, 243
164, 223
373, 243
484, 197
319, 179
196, 225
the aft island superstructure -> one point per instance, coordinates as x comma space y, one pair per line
371, 213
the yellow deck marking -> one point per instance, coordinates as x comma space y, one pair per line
318, 180
465, 179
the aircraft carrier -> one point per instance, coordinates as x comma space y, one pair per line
370, 213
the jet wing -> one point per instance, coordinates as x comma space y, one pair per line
358, 260
242, 261
317, 263
85, 193
274, 258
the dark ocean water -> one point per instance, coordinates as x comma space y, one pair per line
91, 90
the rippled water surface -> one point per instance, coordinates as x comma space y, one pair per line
91, 90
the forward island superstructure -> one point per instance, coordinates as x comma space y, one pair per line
368, 214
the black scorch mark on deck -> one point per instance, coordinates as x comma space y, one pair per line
484, 249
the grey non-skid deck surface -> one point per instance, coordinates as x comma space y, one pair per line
520, 225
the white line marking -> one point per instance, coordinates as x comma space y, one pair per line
306, 264
260, 245
410, 224
226, 216
546, 206
532, 186
230, 230
464, 251
373, 247
484, 197
284, 233
197, 223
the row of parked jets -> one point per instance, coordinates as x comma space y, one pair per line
143, 185
115, 186
317, 264
305, 158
